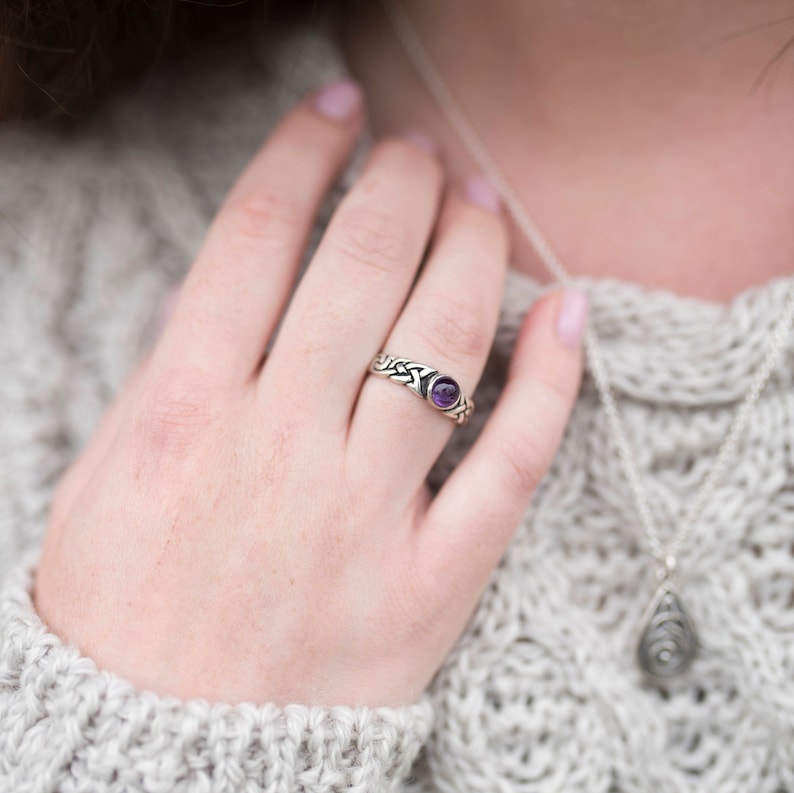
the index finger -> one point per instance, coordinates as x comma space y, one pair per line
236, 289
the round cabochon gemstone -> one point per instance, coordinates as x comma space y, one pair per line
445, 392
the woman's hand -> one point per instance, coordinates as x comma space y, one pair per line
249, 531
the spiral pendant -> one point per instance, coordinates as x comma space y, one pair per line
668, 643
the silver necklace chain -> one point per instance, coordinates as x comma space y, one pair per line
666, 555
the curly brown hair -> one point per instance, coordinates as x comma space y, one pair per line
60, 57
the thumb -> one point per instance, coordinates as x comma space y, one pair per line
475, 514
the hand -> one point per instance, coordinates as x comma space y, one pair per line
242, 530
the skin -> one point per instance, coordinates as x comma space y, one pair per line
636, 133
269, 525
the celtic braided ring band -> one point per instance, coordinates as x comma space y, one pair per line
440, 390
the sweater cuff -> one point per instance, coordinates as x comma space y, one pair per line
65, 725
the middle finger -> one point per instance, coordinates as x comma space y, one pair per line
356, 284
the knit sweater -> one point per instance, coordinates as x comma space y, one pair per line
541, 693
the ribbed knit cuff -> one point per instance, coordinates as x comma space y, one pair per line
66, 726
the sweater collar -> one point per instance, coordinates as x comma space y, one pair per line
660, 347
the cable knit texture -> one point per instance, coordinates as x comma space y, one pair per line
541, 693
69, 727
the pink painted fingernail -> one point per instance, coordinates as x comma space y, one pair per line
338, 100
421, 140
572, 317
482, 193
167, 307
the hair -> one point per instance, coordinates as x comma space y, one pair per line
60, 58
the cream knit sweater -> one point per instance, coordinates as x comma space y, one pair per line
541, 693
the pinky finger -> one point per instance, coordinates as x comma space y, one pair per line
475, 514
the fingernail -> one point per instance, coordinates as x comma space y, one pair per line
572, 317
482, 193
167, 307
423, 141
338, 100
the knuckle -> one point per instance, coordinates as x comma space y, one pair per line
174, 418
453, 330
523, 464
373, 239
555, 388
261, 216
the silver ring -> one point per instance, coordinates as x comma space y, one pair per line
440, 390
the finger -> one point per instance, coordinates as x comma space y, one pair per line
353, 290
472, 519
237, 287
448, 324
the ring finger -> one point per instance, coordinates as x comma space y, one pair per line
448, 323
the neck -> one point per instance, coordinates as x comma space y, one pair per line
650, 141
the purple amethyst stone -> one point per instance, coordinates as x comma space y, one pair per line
445, 392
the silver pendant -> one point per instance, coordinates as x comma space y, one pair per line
668, 643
